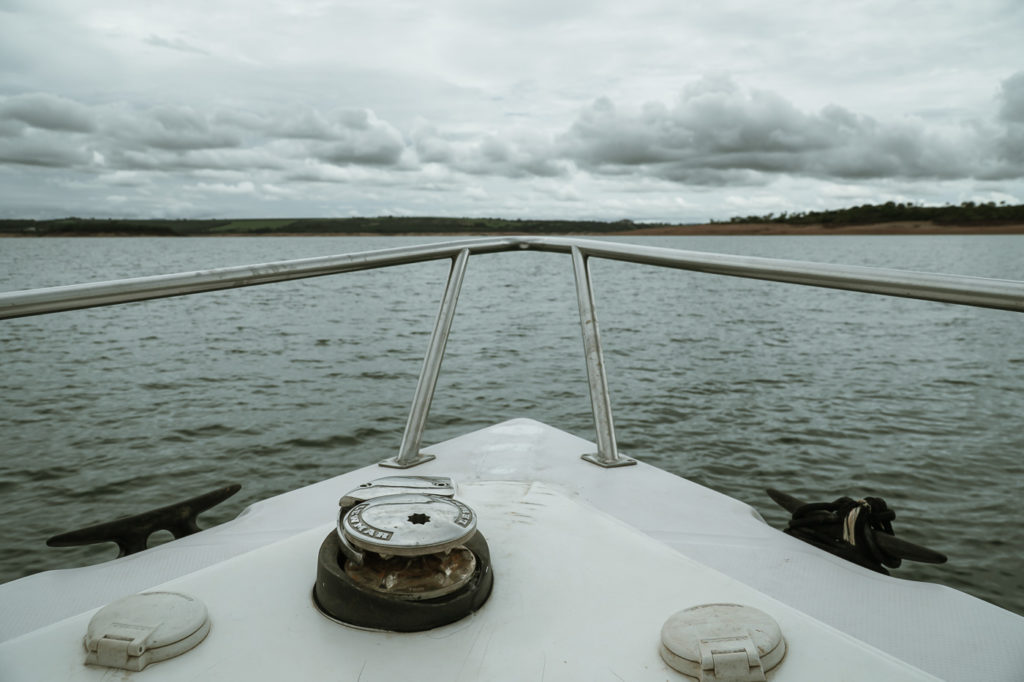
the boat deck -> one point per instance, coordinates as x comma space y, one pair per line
588, 562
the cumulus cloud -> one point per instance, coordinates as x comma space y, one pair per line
48, 112
359, 137
308, 124
177, 129
1011, 99
340, 137
193, 160
36, 150
718, 133
168, 138
515, 154
715, 133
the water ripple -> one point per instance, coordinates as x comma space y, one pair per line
735, 384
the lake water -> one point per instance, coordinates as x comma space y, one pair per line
736, 384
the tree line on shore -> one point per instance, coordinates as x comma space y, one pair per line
968, 213
384, 225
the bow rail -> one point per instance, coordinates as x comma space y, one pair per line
957, 289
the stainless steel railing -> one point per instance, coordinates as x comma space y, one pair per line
958, 289
409, 454
607, 454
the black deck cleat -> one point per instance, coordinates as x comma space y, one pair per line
131, 533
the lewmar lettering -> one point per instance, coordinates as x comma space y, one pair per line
355, 519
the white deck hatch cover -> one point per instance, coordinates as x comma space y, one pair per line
140, 629
722, 643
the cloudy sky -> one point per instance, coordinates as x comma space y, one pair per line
674, 110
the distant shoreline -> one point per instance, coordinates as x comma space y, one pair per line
908, 227
888, 218
905, 227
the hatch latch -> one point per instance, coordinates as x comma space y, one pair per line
732, 659
121, 643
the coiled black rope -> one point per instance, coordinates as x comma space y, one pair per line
856, 530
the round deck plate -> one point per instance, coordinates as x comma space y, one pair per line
408, 524
155, 625
725, 626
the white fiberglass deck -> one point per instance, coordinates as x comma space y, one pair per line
579, 593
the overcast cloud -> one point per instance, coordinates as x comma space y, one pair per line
646, 110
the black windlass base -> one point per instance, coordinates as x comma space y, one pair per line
338, 597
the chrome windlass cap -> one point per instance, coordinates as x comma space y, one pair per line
440, 486
408, 524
